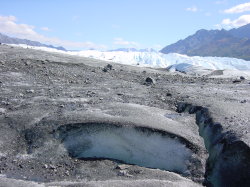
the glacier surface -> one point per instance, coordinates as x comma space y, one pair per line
172, 61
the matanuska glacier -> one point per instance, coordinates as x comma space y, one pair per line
173, 61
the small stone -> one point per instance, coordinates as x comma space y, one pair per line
45, 166
52, 167
243, 101
149, 81
163, 98
124, 173
5, 103
169, 94
107, 68
122, 166
242, 78
2, 111
62, 106
90, 93
236, 81
30, 91
27, 63
67, 173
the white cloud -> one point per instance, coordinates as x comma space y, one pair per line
121, 41
9, 26
228, 23
218, 26
238, 9
45, 29
192, 9
8, 18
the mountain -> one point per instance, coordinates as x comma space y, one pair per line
221, 43
242, 32
10, 40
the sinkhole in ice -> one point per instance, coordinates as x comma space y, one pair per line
132, 145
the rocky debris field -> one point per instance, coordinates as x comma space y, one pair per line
74, 121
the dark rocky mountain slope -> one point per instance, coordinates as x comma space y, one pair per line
222, 43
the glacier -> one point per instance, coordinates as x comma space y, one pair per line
196, 65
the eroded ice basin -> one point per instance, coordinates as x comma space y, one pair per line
132, 145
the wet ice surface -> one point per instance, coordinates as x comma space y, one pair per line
142, 147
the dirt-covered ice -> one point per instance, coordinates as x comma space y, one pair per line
68, 120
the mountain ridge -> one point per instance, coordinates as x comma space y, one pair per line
12, 40
220, 43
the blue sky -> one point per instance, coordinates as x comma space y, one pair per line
109, 24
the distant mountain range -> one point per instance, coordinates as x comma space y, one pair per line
221, 43
10, 40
